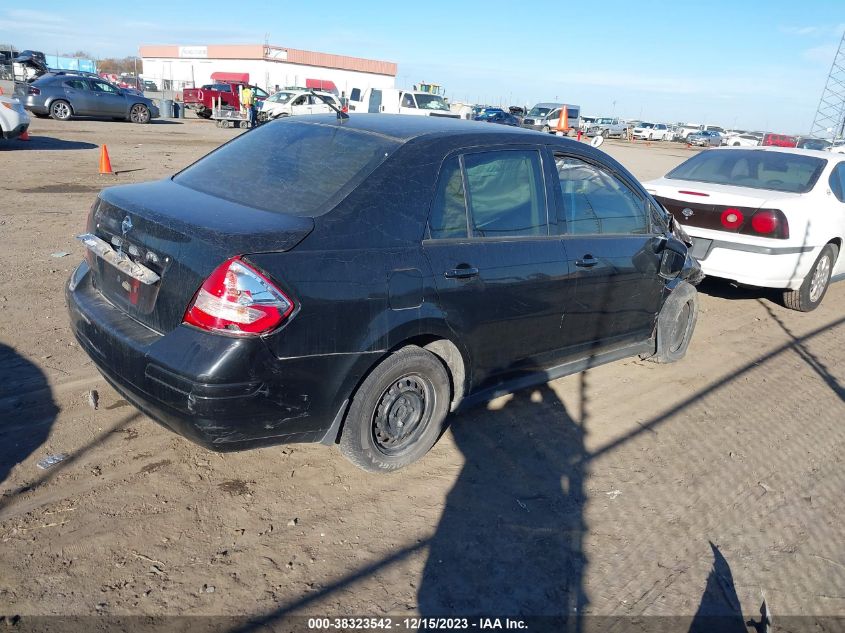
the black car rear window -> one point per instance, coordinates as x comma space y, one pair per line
776, 171
290, 167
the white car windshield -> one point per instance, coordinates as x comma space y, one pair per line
776, 171
281, 97
431, 102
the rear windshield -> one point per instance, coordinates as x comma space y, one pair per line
289, 167
777, 171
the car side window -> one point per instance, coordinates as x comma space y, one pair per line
76, 84
597, 202
408, 101
101, 86
837, 182
506, 193
302, 100
448, 217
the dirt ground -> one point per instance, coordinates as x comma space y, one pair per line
631, 489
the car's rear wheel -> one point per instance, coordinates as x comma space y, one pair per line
809, 296
397, 413
676, 324
60, 110
139, 113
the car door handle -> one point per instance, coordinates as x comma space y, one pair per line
461, 273
588, 261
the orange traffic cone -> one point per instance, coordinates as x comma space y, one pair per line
105, 163
24, 136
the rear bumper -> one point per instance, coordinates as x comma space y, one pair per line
220, 392
767, 266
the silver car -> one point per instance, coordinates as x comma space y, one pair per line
62, 96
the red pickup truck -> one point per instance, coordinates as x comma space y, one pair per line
202, 99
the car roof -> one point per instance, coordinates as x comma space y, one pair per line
404, 127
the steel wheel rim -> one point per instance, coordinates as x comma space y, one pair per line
402, 413
819, 280
62, 110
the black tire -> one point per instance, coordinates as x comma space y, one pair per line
204, 114
60, 110
139, 113
409, 389
809, 296
676, 324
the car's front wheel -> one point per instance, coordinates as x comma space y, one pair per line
139, 113
812, 291
397, 413
60, 110
676, 324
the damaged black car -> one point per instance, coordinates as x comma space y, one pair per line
352, 281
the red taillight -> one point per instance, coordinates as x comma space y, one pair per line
238, 300
732, 218
34, 91
764, 222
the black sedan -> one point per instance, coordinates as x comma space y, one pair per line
352, 282
63, 95
500, 117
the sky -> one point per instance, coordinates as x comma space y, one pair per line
746, 64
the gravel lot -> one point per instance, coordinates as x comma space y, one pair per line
630, 489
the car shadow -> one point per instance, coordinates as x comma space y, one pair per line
510, 538
27, 409
45, 143
724, 289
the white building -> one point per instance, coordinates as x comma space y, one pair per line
176, 67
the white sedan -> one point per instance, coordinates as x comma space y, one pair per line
768, 216
652, 132
742, 140
14, 120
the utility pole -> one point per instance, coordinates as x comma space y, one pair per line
829, 122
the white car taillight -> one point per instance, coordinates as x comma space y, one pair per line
238, 300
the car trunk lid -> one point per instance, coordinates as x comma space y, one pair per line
181, 235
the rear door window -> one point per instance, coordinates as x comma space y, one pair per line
506, 194
76, 84
597, 202
448, 217
837, 182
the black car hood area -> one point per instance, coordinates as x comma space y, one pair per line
183, 235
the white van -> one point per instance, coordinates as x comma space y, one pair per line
398, 101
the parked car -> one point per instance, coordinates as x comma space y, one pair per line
63, 96
500, 117
546, 117
705, 139
296, 102
742, 140
651, 132
150, 86
14, 120
397, 101
837, 147
608, 127
779, 140
770, 217
353, 282
809, 142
